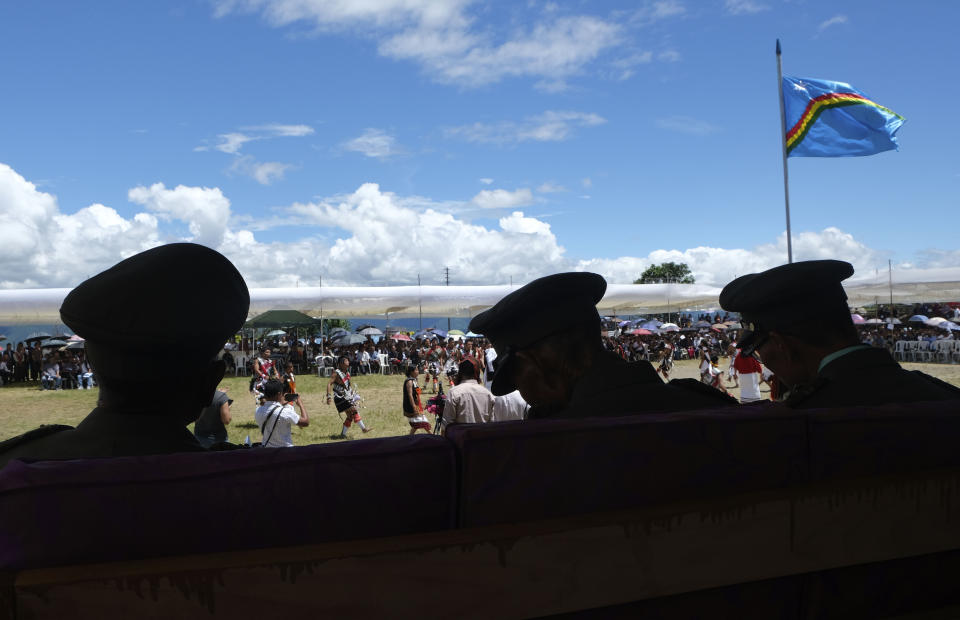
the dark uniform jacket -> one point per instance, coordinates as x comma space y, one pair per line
103, 433
870, 376
613, 387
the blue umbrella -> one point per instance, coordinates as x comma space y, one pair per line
918, 318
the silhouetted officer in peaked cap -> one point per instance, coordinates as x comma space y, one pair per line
547, 338
797, 321
154, 324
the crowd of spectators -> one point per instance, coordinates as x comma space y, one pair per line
54, 369
48, 368
697, 335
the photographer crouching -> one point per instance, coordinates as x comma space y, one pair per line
276, 416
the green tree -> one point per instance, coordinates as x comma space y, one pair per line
666, 272
329, 324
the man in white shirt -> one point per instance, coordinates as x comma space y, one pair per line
468, 402
509, 407
276, 418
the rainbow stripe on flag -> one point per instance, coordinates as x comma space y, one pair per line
833, 119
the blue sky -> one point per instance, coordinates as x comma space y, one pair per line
365, 143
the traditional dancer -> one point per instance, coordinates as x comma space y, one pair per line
345, 397
666, 360
412, 407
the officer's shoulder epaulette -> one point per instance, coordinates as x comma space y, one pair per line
37, 433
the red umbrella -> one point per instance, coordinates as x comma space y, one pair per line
641, 332
401, 337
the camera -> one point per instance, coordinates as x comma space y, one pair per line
290, 397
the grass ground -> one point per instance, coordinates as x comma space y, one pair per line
25, 407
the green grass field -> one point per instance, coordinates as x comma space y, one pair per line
25, 407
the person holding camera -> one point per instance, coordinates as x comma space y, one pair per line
276, 416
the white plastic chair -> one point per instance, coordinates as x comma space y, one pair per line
900, 350
240, 365
944, 349
922, 352
955, 352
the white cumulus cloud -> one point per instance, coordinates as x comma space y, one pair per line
263, 172
233, 141
550, 188
503, 199
367, 237
655, 11
551, 126
205, 209
443, 39
279, 130
833, 21
374, 143
717, 266
388, 242
744, 7
42, 247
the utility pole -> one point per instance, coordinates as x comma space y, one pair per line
420, 301
446, 275
890, 276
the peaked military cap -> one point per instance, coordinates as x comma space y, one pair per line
182, 298
783, 296
546, 306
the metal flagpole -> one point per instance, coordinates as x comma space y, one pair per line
783, 144
321, 316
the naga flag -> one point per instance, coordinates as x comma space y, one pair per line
833, 119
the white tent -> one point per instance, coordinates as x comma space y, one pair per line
909, 286
42, 306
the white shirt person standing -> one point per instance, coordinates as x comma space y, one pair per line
277, 418
468, 402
